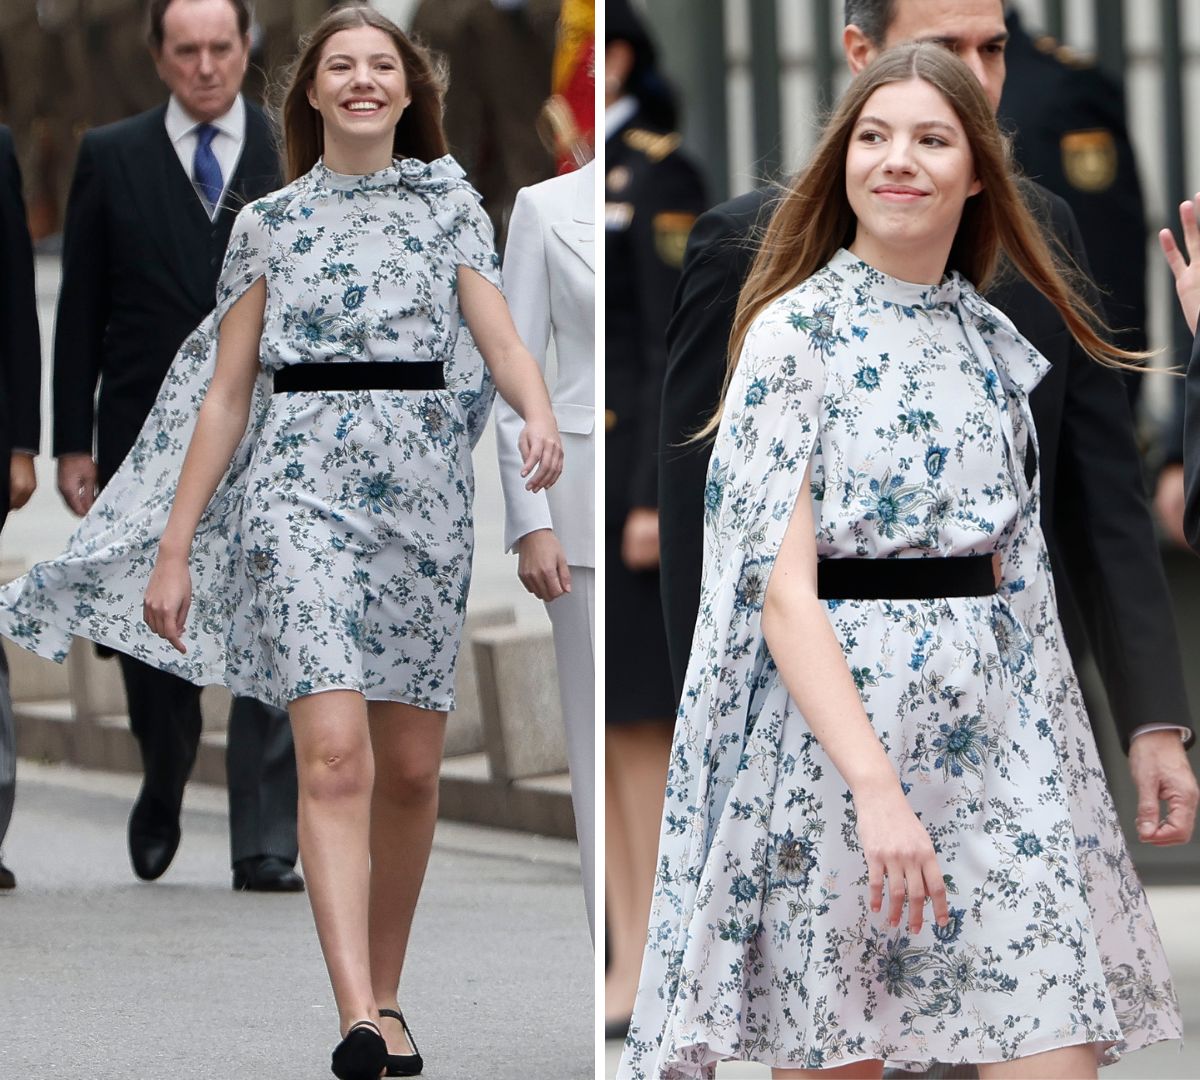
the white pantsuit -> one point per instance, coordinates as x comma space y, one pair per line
550, 283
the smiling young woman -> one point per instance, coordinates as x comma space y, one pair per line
324, 506
879, 709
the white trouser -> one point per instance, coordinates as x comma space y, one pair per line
573, 617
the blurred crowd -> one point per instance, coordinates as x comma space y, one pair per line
518, 110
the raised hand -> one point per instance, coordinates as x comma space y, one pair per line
1186, 271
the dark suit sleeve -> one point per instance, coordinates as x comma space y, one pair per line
83, 308
668, 213
1107, 538
717, 260
20, 351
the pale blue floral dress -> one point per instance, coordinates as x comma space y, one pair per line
337, 551
912, 404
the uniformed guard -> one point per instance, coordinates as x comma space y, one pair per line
652, 195
1067, 118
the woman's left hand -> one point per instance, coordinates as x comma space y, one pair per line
540, 446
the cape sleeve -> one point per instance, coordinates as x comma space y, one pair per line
467, 376
95, 588
769, 431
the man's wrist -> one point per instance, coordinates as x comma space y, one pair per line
1146, 729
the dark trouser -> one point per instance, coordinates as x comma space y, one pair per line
164, 715
260, 764
8, 751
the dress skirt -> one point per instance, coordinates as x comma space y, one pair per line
357, 536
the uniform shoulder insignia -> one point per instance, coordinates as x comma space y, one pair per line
653, 144
671, 228
1089, 159
1069, 57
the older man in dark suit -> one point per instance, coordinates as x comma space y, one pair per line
20, 412
1107, 572
150, 212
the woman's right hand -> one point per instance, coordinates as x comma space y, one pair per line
1186, 271
898, 849
168, 598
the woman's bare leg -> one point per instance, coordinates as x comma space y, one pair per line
407, 743
858, 1070
335, 768
1065, 1063
635, 779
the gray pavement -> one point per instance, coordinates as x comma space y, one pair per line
1175, 908
102, 976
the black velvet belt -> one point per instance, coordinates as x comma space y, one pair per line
905, 579
357, 375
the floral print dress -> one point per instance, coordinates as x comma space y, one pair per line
336, 553
911, 403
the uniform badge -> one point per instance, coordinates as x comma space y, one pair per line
617, 179
617, 215
1089, 159
671, 230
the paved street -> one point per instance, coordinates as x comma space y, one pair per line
1175, 908
103, 977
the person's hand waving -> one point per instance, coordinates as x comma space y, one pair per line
1186, 271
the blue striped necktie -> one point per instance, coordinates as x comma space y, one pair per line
206, 170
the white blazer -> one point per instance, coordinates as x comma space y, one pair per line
550, 284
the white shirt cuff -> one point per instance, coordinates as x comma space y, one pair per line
1184, 733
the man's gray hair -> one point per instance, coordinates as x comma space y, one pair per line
872, 17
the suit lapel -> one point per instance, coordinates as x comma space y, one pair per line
579, 234
257, 171
173, 215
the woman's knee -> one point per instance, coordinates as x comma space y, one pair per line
335, 770
408, 778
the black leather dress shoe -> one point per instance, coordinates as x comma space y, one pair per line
8, 880
266, 873
153, 838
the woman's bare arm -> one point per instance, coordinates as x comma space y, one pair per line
516, 374
813, 668
219, 428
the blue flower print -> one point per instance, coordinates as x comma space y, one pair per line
867, 378
378, 492
413, 244
935, 461
303, 244
960, 746
1028, 844
353, 297
742, 889
756, 393
949, 933
791, 859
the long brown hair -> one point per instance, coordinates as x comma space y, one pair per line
814, 218
419, 133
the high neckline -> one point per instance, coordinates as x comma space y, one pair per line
909, 294
386, 177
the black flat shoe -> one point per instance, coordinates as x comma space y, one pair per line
403, 1064
266, 873
153, 837
361, 1055
8, 880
